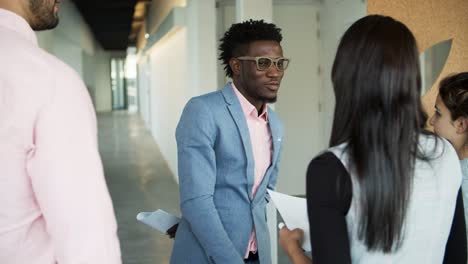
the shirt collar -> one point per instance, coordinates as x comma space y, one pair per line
18, 24
248, 108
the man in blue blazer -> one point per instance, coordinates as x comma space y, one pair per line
229, 144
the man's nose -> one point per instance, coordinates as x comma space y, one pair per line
273, 71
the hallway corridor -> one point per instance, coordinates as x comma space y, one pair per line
139, 180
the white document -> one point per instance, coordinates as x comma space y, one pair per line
294, 213
159, 220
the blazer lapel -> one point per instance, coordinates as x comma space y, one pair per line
275, 136
238, 115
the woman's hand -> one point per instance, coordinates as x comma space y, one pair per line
291, 241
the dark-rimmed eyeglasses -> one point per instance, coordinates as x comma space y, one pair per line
264, 63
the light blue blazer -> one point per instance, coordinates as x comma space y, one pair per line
216, 175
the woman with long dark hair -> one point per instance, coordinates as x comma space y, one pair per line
386, 190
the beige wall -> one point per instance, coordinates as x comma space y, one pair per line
432, 21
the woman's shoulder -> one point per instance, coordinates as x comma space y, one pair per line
436, 148
439, 158
326, 160
327, 169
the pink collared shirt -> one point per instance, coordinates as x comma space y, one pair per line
55, 206
260, 137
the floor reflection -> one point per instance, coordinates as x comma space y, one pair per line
139, 180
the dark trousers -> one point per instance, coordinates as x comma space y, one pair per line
252, 258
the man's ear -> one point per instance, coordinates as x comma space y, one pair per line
235, 66
462, 125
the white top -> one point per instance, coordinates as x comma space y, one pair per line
430, 212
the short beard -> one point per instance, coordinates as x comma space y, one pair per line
43, 18
269, 100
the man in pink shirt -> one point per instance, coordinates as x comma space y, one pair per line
229, 144
54, 200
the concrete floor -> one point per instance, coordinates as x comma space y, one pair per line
139, 179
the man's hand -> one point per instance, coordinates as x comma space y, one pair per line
171, 232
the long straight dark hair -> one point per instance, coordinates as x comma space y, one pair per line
378, 112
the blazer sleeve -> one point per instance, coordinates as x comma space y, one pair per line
195, 135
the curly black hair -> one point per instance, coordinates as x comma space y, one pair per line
235, 41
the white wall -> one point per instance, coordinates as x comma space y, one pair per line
69, 52
182, 64
335, 18
73, 43
258, 9
201, 34
103, 92
169, 92
144, 89
225, 16
299, 96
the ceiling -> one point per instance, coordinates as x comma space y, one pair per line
111, 21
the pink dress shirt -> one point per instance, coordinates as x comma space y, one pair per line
260, 137
55, 206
